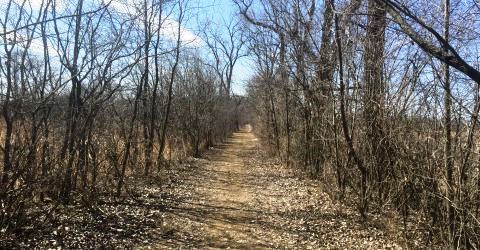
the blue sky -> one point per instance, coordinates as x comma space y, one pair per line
200, 11
215, 11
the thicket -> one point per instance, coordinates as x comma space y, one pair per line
379, 100
96, 94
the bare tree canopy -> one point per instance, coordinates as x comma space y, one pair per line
252, 124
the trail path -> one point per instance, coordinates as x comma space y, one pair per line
237, 200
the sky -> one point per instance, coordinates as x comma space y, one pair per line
216, 11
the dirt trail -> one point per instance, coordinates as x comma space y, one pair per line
237, 200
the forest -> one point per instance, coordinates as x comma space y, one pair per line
245, 124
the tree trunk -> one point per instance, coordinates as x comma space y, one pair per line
374, 98
448, 158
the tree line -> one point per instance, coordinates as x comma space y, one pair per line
97, 93
379, 99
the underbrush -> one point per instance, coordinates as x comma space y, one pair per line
108, 221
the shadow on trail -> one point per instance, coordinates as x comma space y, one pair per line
236, 198
223, 209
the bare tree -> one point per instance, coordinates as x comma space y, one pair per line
226, 51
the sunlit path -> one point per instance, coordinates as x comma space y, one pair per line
239, 200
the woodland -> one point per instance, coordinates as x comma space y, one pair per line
358, 128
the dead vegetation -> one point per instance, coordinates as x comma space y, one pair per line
238, 197
366, 111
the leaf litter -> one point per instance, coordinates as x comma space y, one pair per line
235, 197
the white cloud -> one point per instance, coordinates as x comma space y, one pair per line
34, 5
122, 7
169, 26
170, 31
30, 7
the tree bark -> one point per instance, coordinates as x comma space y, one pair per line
374, 96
